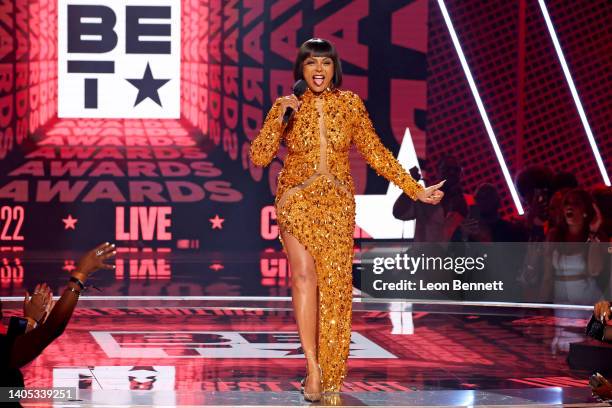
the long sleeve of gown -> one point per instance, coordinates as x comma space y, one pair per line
376, 154
265, 146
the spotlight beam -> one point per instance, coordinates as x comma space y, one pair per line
574, 92
481, 108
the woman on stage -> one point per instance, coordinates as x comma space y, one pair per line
315, 204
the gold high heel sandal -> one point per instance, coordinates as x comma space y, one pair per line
312, 396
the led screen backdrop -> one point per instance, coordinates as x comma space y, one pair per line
96, 144
86, 151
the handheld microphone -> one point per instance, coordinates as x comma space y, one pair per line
299, 88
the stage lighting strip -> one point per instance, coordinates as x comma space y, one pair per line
572, 87
481, 109
557, 306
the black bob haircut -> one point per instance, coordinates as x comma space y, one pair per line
317, 47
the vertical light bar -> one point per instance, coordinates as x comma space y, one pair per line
481, 109
572, 87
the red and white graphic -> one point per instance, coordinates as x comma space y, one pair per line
218, 344
146, 378
118, 60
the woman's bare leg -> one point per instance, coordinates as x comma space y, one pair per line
305, 305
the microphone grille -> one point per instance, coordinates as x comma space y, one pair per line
299, 87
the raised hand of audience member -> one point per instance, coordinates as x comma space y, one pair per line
36, 307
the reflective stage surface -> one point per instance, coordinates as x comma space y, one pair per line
234, 352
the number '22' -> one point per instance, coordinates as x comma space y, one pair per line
7, 216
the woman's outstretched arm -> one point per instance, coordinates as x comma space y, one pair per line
28, 346
375, 153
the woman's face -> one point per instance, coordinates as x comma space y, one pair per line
318, 72
573, 210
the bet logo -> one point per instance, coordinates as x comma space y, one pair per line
118, 60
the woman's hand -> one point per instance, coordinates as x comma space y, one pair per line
93, 260
597, 220
602, 311
37, 306
290, 101
432, 194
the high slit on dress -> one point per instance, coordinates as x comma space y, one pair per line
315, 203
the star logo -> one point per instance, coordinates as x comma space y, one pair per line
148, 86
69, 265
216, 222
69, 223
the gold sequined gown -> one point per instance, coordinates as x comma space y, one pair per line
315, 202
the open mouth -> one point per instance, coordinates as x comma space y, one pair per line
569, 213
318, 79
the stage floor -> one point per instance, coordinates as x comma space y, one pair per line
245, 351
